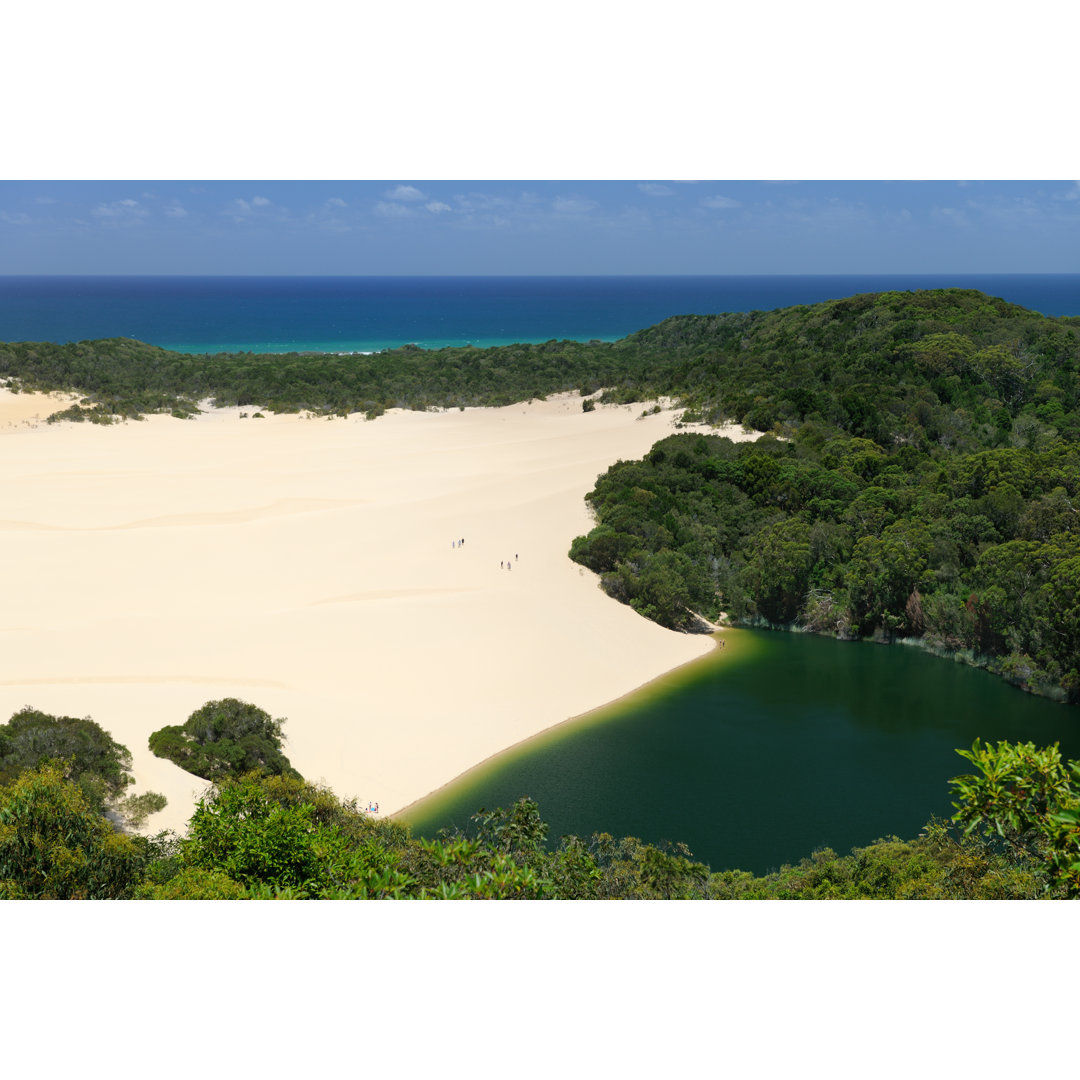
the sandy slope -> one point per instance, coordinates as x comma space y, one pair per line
306, 565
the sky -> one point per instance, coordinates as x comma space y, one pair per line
462, 227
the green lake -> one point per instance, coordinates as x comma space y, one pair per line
771, 747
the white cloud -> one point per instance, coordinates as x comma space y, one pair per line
1074, 191
392, 210
720, 202
406, 193
242, 206
437, 207
44, 200
120, 210
14, 219
654, 189
340, 203
572, 204
175, 211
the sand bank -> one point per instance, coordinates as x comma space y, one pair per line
307, 565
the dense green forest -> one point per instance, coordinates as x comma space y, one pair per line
262, 834
919, 481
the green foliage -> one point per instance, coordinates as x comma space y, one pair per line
277, 847
194, 884
99, 765
224, 738
54, 845
934, 866
1029, 799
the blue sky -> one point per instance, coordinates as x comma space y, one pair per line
408, 226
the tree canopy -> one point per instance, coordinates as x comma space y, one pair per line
225, 738
54, 845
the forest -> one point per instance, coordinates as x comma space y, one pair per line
918, 480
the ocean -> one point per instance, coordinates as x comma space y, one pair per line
366, 314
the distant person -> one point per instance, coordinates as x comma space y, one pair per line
500, 564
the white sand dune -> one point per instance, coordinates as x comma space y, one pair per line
307, 565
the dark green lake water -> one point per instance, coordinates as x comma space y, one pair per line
771, 747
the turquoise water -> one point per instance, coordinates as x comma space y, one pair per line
772, 747
364, 314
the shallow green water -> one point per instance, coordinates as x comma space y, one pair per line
771, 747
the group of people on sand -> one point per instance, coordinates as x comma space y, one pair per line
372, 808
504, 564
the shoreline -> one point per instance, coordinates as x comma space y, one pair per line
307, 565
614, 703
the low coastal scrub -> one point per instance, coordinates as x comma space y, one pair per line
1016, 835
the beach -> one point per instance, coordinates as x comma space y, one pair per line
315, 567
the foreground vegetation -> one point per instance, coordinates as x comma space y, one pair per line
265, 834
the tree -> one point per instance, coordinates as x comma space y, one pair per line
225, 738
54, 845
94, 760
779, 569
